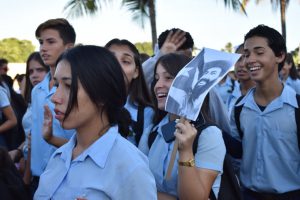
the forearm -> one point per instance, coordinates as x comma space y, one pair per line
165, 196
189, 184
8, 124
148, 68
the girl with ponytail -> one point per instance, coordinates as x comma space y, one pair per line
97, 162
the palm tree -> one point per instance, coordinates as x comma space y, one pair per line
141, 10
283, 6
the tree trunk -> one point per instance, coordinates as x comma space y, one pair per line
282, 13
153, 22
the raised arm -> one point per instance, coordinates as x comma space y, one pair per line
193, 183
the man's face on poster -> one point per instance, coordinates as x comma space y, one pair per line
209, 75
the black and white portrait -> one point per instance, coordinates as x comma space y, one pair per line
194, 81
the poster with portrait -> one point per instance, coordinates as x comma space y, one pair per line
194, 81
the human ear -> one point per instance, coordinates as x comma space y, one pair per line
280, 58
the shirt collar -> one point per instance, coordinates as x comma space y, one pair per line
288, 96
98, 151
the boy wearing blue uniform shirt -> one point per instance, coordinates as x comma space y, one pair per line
271, 158
55, 36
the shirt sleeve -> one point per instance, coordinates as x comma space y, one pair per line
148, 68
211, 149
4, 101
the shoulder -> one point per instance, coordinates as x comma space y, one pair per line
126, 151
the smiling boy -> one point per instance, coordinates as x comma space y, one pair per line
267, 120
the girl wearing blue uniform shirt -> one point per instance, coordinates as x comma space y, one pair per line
36, 70
197, 174
97, 162
138, 101
289, 74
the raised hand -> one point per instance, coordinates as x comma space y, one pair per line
173, 41
185, 135
47, 125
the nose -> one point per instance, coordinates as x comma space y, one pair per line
43, 47
251, 58
159, 83
34, 74
57, 97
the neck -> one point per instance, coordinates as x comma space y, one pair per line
87, 135
267, 91
245, 85
51, 82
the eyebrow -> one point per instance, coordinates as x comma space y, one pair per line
255, 48
63, 79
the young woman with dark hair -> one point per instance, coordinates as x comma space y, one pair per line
139, 102
193, 175
90, 98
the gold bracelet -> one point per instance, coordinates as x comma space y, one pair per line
189, 163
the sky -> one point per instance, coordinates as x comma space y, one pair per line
210, 23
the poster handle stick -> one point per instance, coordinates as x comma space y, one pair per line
173, 155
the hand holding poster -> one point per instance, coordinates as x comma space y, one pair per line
192, 84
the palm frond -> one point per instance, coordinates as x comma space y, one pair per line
139, 9
276, 4
236, 5
78, 8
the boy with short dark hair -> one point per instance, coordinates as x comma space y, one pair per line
271, 158
55, 36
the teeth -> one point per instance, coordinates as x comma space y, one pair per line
161, 95
254, 68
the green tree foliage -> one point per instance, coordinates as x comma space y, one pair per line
144, 47
15, 50
295, 53
228, 48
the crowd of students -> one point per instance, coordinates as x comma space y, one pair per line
96, 115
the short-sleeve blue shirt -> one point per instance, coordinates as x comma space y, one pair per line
295, 84
111, 168
133, 110
210, 155
271, 157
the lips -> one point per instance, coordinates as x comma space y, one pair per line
59, 115
35, 82
241, 73
45, 56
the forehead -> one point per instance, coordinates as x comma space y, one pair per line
121, 50
255, 43
160, 68
34, 64
49, 33
63, 69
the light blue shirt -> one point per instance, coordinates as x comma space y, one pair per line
111, 168
233, 97
271, 157
40, 149
4, 102
295, 84
27, 123
225, 89
148, 67
210, 155
133, 110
